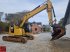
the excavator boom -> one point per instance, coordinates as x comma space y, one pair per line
47, 5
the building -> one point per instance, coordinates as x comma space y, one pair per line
36, 27
67, 15
15, 16
66, 21
1, 13
46, 28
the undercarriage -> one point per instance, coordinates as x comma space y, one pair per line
20, 39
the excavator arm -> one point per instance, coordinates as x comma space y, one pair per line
47, 5
58, 31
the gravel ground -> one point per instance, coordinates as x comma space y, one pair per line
41, 43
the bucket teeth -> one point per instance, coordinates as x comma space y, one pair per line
57, 37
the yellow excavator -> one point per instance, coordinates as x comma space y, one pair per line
18, 33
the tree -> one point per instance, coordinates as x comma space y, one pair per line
61, 21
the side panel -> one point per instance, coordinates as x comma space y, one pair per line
16, 31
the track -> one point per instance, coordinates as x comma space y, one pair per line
20, 39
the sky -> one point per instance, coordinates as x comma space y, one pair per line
13, 6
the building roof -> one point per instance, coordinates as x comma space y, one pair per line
67, 15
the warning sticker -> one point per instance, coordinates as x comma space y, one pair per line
2, 48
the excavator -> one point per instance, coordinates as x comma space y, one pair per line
18, 33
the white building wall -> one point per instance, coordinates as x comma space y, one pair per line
67, 31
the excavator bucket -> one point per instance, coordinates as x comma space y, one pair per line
57, 35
